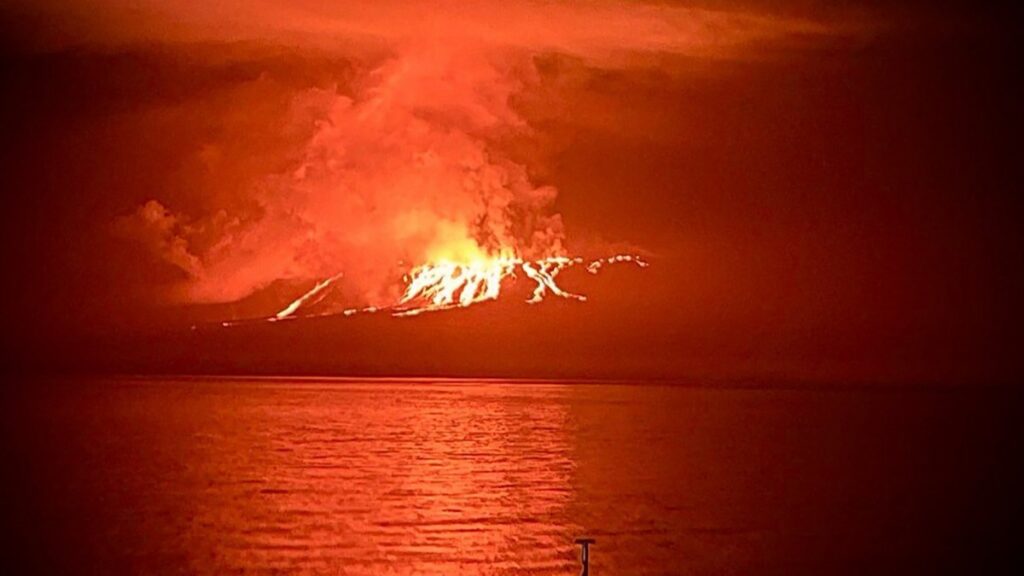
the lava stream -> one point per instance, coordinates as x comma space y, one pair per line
446, 285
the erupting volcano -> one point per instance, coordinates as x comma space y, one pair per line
407, 190
446, 285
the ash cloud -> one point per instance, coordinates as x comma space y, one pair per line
402, 163
402, 171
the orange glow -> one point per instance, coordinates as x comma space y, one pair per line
448, 284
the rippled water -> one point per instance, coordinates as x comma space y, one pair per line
432, 477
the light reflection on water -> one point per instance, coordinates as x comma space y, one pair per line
419, 477
392, 477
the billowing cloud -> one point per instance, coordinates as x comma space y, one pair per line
407, 162
403, 171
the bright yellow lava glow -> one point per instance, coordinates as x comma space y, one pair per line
446, 284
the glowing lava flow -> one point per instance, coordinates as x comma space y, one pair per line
317, 290
445, 285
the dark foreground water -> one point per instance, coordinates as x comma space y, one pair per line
376, 477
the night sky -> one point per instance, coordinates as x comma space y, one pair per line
826, 193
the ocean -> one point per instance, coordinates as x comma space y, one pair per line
368, 477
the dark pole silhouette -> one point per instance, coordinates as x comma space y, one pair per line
585, 554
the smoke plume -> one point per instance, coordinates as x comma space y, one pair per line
404, 165
402, 172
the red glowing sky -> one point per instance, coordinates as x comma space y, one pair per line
821, 191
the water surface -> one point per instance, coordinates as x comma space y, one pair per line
214, 476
